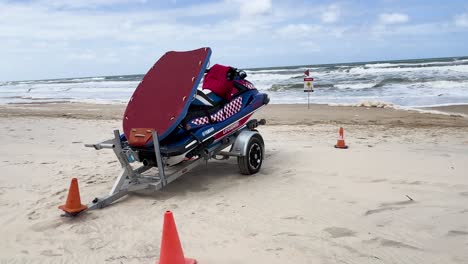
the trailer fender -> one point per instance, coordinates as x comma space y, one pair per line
239, 148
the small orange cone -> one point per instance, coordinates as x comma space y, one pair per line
341, 143
171, 250
73, 205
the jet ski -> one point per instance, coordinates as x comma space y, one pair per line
182, 114
188, 117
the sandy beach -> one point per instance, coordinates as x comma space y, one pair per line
399, 194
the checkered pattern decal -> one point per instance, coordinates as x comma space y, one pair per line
246, 84
227, 111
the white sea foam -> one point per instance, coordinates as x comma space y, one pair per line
88, 79
368, 104
388, 65
354, 85
372, 70
437, 112
258, 77
379, 104
275, 70
381, 65
449, 84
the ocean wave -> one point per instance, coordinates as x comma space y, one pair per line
84, 79
269, 77
393, 80
404, 83
389, 83
297, 77
367, 70
39, 98
417, 65
447, 84
354, 86
285, 70
284, 87
297, 86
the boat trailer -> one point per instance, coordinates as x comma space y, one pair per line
245, 143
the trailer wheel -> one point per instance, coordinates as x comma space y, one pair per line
252, 161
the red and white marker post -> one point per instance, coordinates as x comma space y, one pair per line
308, 86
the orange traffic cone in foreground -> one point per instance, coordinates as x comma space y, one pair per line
171, 250
341, 143
73, 205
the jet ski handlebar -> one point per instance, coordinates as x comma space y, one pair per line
234, 74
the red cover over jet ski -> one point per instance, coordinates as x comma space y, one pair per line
162, 98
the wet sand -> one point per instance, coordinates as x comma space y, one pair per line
276, 114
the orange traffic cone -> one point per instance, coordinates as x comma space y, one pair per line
73, 205
171, 250
341, 143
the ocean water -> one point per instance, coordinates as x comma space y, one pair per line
409, 83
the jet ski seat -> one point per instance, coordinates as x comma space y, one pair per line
203, 105
218, 89
206, 99
219, 98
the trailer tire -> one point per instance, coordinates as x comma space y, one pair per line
252, 161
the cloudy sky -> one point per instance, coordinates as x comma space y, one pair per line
42, 39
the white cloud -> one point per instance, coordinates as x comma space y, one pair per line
83, 55
413, 30
461, 20
253, 8
393, 18
90, 4
139, 36
94, 39
297, 31
310, 46
331, 14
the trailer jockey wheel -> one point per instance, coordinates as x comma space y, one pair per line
251, 162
